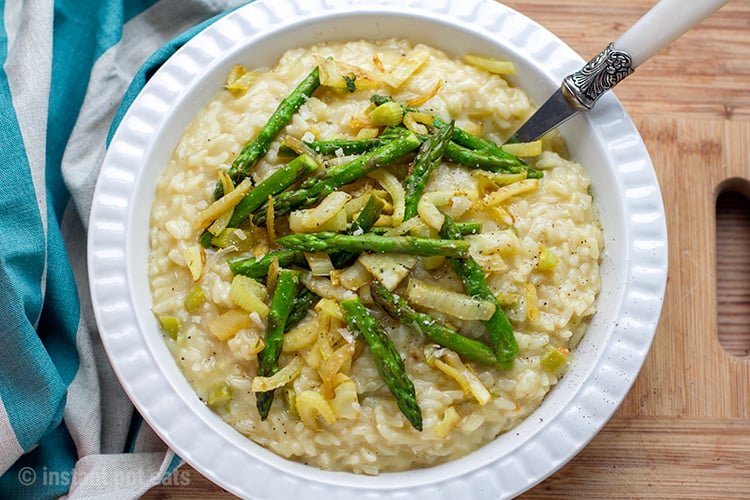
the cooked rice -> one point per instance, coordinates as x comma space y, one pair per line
559, 215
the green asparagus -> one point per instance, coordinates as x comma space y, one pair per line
467, 140
205, 239
466, 228
304, 299
460, 136
474, 143
257, 268
387, 359
351, 146
499, 328
258, 147
327, 242
363, 223
467, 348
487, 160
427, 159
314, 189
281, 306
274, 184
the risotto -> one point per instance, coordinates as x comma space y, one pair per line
363, 279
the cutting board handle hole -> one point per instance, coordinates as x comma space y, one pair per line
733, 266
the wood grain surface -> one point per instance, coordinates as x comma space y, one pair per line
684, 429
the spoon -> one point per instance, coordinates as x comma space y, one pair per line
660, 26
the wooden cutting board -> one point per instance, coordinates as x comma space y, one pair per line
684, 429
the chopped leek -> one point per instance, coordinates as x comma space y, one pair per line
331, 308
458, 371
320, 263
524, 149
223, 204
449, 302
388, 114
368, 133
301, 148
239, 79
497, 179
233, 237
290, 396
389, 269
353, 277
429, 213
280, 378
323, 287
341, 76
432, 263
490, 64
195, 259
300, 337
553, 359
310, 405
448, 423
332, 366
396, 190
507, 192
407, 66
226, 326
532, 305
547, 260
171, 325
221, 223
411, 122
315, 219
345, 403
194, 299
249, 295
220, 396
405, 228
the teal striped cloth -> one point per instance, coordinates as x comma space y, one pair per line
70, 68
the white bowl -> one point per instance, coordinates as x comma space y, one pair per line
605, 141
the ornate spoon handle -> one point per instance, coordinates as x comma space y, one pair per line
664, 23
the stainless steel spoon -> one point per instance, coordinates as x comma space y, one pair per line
660, 26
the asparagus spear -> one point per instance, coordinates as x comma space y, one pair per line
304, 299
326, 242
460, 136
464, 227
499, 328
425, 324
281, 305
351, 146
427, 159
257, 268
387, 359
468, 141
274, 184
258, 147
367, 216
469, 228
487, 160
315, 189
363, 223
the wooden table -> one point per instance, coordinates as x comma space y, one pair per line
684, 429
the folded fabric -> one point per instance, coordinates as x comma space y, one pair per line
69, 70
